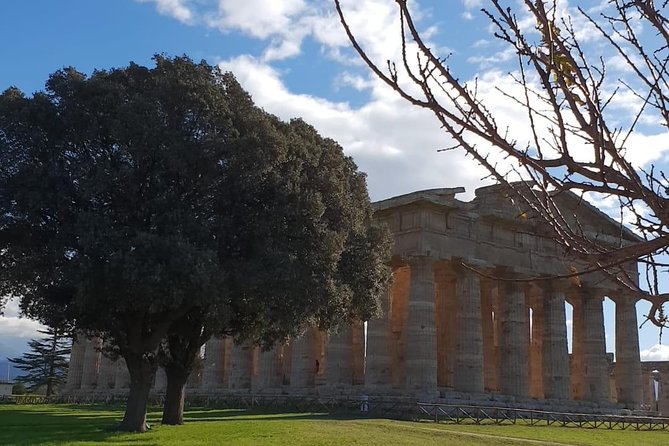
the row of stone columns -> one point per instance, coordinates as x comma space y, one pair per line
446, 328
299, 366
443, 328
90, 370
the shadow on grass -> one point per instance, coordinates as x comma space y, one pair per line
40, 424
204, 415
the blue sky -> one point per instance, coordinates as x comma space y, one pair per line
294, 59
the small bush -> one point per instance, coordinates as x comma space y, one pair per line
19, 389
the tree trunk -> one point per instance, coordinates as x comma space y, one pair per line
173, 411
142, 372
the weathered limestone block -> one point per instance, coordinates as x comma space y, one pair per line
76, 367
469, 345
628, 363
555, 356
421, 336
514, 348
89, 375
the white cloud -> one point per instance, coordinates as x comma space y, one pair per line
657, 352
258, 18
12, 325
16, 331
394, 142
173, 8
470, 4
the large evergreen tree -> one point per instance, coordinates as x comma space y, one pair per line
139, 202
45, 365
295, 239
108, 186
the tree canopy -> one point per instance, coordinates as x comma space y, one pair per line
136, 197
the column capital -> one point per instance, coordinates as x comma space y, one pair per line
459, 265
621, 297
509, 279
555, 285
420, 261
396, 261
585, 292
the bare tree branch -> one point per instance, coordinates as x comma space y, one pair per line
574, 145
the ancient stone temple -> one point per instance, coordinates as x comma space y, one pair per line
457, 322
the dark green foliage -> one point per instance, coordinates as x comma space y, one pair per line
296, 241
290, 247
108, 185
46, 362
19, 389
139, 198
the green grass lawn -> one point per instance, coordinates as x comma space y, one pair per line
93, 425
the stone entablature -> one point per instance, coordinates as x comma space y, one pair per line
453, 323
488, 231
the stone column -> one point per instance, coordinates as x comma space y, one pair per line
421, 336
270, 369
358, 352
589, 347
576, 360
555, 354
445, 305
216, 359
399, 317
107, 375
344, 357
648, 389
241, 366
514, 346
629, 389
160, 383
194, 381
663, 395
76, 367
378, 374
469, 345
306, 362
339, 356
122, 380
491, 366
536, 304
89, 375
